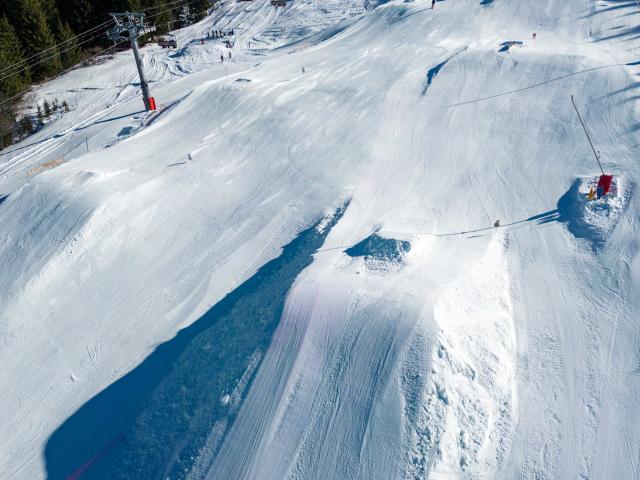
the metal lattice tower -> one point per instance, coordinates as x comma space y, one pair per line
133, 24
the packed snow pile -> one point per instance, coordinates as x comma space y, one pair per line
592, 219
378, 251
197, 292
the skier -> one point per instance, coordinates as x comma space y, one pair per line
496, 223
221, 58
229, 54
433, 4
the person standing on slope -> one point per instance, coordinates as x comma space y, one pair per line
433, 4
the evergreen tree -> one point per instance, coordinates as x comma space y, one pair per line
30, 22
6, 127
200, 8
50, 12
16, 73
55, 105
39, 115
65, 105
132, 5
159, 15
69, 50
84, 14
26, 125
46, 109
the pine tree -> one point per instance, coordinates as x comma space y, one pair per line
30, 22
12, 65
47, 109
55, 107
6, 127
50, 12
200, 8
39, 115
160, 15
26, 125
82, 14
69, 50
65, 105
133, 5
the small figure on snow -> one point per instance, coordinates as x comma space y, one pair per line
496, 224
534, 35
433, 4
229, 54
303, 70
221, 58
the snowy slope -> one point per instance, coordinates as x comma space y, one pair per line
293, 273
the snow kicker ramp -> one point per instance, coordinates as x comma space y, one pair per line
146, 331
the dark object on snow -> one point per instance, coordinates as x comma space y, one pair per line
506, 46
604, 185
433, 4
380, 248
496, 224
279, 3
168, 41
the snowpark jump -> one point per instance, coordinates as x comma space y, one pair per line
294, 271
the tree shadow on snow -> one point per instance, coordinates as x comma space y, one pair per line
182, 399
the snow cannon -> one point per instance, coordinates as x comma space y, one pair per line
604, 185
604, 182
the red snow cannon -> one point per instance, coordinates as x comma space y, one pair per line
604, 185
152, 103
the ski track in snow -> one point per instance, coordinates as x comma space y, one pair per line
449, 349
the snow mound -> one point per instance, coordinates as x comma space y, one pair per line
378, 251
465, 411
591, 220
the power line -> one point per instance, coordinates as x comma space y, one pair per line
181, 3
176, 7
48, 58
89, 58
148, 9
55, 46
67, 70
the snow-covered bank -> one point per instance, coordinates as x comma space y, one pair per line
421, 340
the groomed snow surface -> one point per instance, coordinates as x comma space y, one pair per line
291, 271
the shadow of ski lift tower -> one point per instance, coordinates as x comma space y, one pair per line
604, 182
